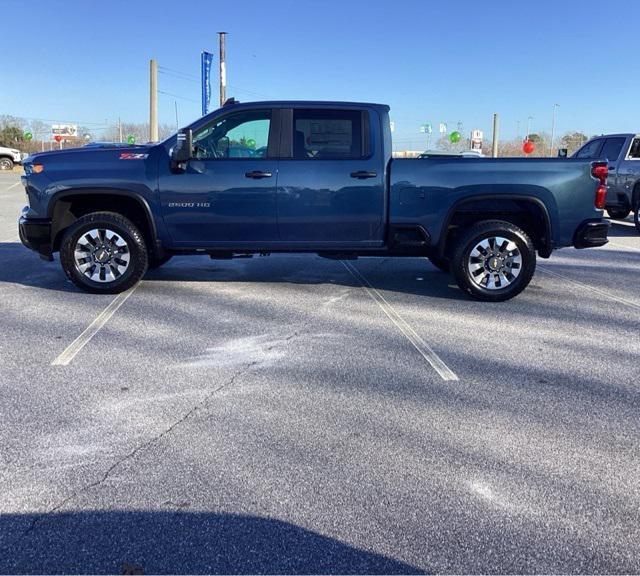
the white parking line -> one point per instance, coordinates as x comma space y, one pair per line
78, 344
589, 287
419, 344
621, 223
13, 185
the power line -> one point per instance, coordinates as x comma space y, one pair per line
177, 96
175, 76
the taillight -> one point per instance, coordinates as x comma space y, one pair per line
600, 171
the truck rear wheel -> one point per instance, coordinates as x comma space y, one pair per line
618, 213
493, 261
103, 253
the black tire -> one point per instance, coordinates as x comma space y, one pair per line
618, 213
157, 262
442, 264
125, 232
6, 163
636, 218
506, 261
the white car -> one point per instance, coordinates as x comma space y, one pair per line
9, 157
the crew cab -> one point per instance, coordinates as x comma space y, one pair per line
314, 177
622, 152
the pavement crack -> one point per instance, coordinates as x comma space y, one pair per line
133, 453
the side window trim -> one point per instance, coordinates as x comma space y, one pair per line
635, 141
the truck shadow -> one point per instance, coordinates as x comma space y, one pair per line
176, 541
21, 266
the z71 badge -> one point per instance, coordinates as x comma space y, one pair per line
132, 156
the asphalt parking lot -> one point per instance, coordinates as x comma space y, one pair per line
296, 414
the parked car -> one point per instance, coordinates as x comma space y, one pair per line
9, 157
327, 184
622, 152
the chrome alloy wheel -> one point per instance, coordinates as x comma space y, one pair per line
494, 262
101, 255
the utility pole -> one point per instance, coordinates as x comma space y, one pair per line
553, 128
528, 127
494, 145
153, 100
175, 103
119, 129
222, 69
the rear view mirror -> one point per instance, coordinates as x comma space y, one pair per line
182, 151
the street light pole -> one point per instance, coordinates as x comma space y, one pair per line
553, 128
222, 70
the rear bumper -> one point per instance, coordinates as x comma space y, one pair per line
36, 235
591, 234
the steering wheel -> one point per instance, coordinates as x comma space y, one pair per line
205, 149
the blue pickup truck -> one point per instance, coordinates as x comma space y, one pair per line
315, 177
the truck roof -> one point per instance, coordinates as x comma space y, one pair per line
624, 135
305, 104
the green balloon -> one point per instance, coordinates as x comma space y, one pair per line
455, 137
131, 139
251, 143
28, 136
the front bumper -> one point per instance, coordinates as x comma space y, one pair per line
36, 235
591, 234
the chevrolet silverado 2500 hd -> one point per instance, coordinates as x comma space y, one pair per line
314, 177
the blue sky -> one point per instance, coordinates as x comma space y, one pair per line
456, 61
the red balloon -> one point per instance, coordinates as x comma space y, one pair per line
57, 137
528, 147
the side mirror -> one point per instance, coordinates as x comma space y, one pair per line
562, 152
183, 149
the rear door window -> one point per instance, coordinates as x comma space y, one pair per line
611, 149
328, 135
590, 149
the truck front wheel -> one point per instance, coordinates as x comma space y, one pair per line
493, 261
636, 217
103, 253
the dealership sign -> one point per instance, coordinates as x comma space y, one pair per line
64, 131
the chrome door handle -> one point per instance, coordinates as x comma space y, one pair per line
257, 174
363, 174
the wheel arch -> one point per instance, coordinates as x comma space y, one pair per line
499, 207
68, 205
